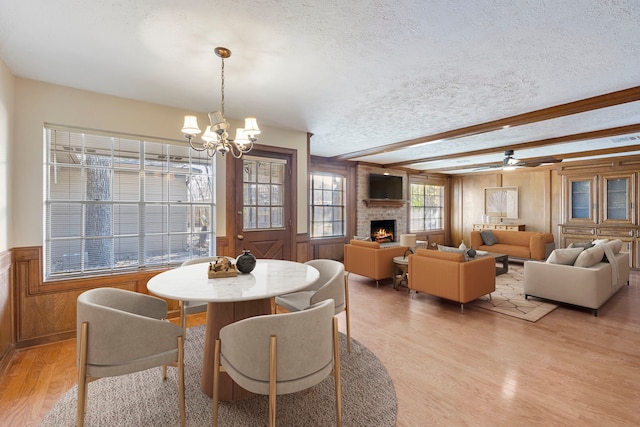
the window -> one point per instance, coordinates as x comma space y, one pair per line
263, 193
327, 205
427, 207
117, 202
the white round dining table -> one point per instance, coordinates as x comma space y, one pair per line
231, 299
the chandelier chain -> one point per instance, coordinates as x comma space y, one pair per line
222, 89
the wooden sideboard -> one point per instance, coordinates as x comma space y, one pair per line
500, 226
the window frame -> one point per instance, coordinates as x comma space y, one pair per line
342, 207
442, 207
179, 208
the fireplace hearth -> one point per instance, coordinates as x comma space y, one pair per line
383, 230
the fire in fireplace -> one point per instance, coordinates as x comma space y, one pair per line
383, 230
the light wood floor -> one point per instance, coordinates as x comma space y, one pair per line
449, 369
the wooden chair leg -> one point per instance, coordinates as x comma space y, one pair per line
216, 379
82, 375
181, 397
272, 381
346, 307
337, 372
183, 319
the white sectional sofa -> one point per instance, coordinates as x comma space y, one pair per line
582, 284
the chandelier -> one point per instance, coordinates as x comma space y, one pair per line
215, 138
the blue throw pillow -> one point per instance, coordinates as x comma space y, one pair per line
488, 238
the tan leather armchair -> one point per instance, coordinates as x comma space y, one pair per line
370, 260
447, 275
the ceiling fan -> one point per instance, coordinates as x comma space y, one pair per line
511, 162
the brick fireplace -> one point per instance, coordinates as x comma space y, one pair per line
365, 213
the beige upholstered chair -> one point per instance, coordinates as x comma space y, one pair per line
191, 307
332, 283
280, 354
120, 332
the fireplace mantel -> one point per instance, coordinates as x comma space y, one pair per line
384, 202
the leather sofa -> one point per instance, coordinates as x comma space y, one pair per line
371, 260
447, 275
516, 244
588, 287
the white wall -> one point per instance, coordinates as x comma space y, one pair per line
7, 83
37, 103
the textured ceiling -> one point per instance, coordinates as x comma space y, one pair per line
358, 74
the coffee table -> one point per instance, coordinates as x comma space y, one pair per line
500, 258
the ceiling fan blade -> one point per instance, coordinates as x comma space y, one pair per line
539, 161
487, 167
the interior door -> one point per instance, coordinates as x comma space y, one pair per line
264, 208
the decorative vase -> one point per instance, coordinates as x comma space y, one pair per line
471, 252
462, 246
246, 262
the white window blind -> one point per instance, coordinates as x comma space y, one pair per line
116, 202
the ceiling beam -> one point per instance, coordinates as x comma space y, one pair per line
584, 136
566, 156
588, 104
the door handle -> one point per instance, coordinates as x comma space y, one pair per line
240, 237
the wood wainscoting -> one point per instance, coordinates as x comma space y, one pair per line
46, 311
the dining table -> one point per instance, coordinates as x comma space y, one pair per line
231, 299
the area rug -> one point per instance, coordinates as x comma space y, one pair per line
508, 298
143, 399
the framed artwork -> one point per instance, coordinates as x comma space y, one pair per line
501, 202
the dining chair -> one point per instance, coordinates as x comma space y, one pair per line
332, 283
280, 354
120, 332
192, 307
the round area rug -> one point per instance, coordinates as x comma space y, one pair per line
144, 399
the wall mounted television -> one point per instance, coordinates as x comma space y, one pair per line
385, 187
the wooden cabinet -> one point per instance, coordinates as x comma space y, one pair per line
601, 206
509, 227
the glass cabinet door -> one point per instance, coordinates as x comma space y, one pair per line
618, 198
580, 199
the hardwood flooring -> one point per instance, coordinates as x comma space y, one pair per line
449, 369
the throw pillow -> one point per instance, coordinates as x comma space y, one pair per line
585, 245
589, 257
599, 241
449, 249
564, 256
442, 248
488, 238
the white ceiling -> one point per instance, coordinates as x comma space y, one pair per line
358, 74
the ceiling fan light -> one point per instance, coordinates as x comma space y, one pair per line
190, 126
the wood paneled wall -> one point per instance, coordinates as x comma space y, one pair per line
46, 311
